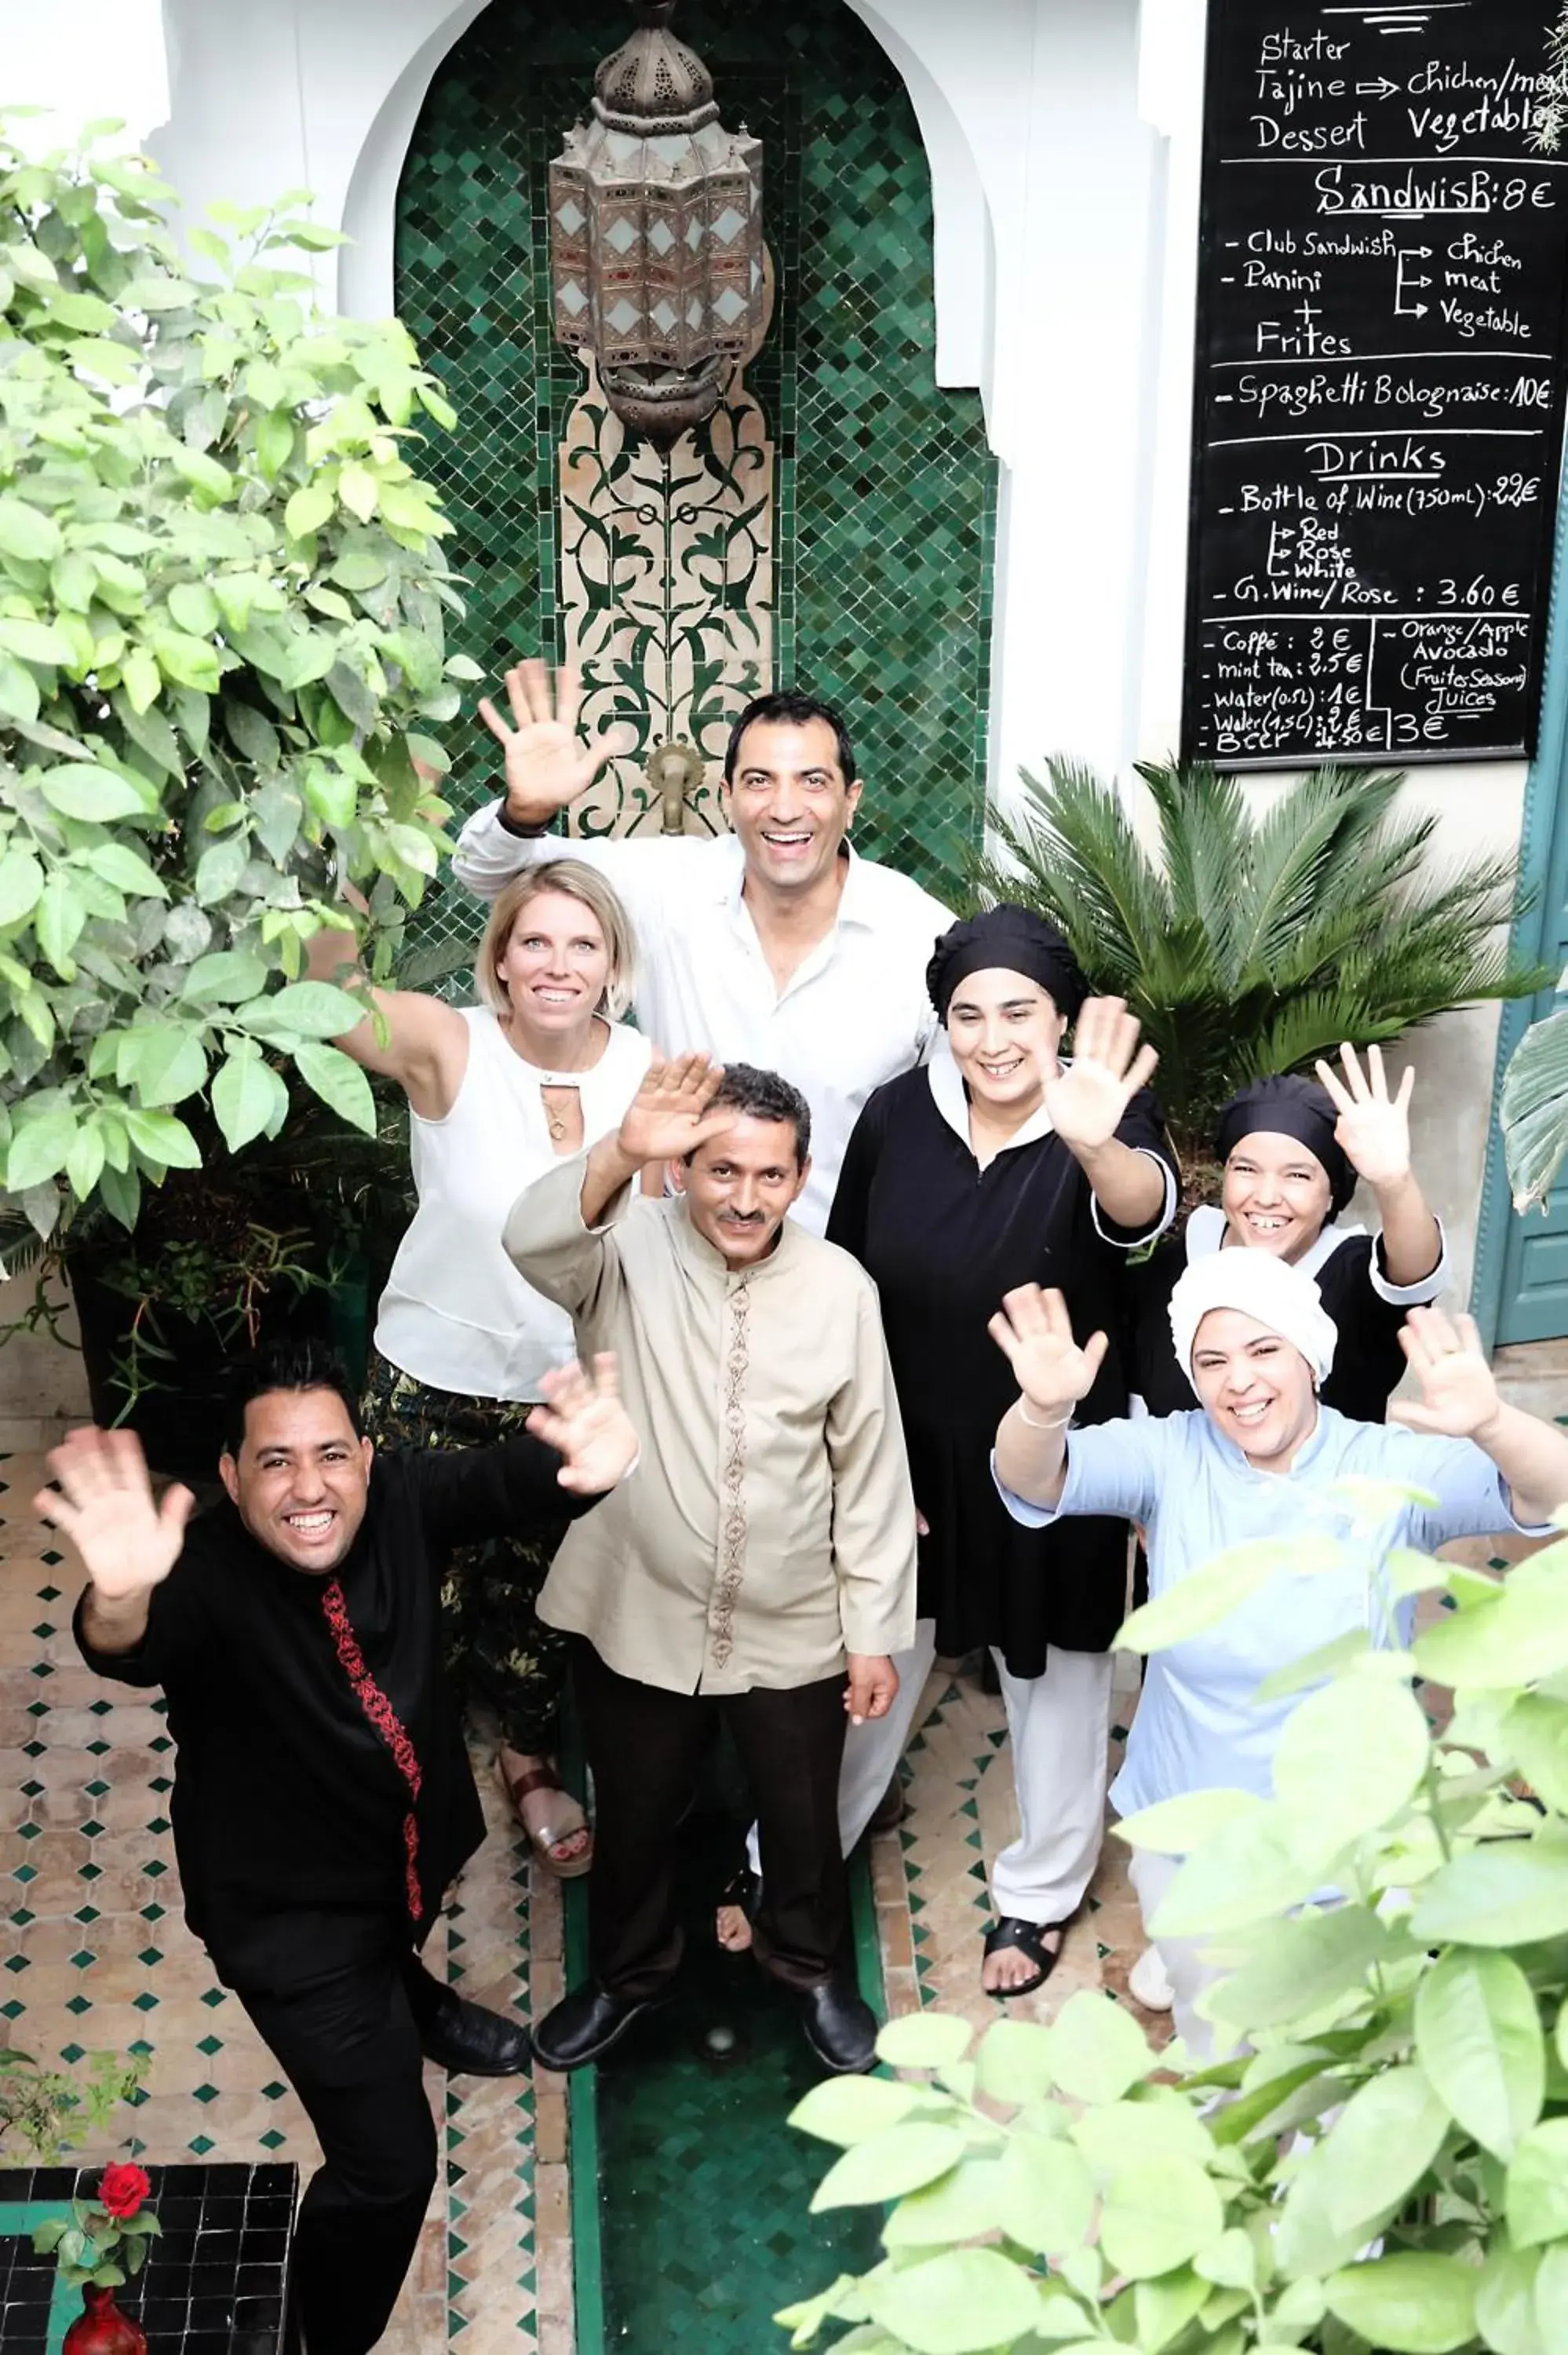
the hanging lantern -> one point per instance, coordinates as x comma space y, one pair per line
656, 234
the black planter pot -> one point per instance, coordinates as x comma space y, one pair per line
180, 1419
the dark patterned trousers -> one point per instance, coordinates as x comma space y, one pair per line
497, 1647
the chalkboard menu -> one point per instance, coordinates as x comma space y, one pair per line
1379, 404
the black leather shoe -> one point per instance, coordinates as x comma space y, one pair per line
585, 2024
469, 2041
839, 2025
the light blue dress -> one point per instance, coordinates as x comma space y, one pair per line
1200, 1723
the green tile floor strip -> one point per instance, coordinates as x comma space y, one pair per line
690, 2192
19, 2217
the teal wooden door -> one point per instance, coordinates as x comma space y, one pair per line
1520, 1291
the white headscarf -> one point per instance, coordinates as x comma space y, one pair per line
1261, 1286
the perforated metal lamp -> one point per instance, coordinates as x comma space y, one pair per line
656, 256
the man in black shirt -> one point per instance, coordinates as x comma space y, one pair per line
323, 1798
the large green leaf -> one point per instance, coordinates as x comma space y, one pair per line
1505, 2313
1014, 2064
79, 790
1098, 2050
1537, 2191
1158, 2213
966, 2302
1533, 1109
1209, 1594
1536, 1732
965, 2204
850, 2110
338, 1082
1300, 1965
21, 880
1479, 2038
26, 532
1343, 1767
886, 2165
1510, 1894
924, 2041
248, 1098
1046, 2195
1250, 1868
1410, 2302
1519, 1637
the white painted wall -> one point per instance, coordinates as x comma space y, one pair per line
1064, 145
85, 60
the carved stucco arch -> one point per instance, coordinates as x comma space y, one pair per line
962, 258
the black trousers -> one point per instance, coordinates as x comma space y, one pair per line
645, 1747
349, 2045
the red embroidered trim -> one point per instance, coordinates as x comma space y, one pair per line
387, 1724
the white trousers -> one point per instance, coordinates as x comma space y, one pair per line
1183, 1958
1059, 1730
871, 1751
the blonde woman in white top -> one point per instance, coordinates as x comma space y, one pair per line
496, 1093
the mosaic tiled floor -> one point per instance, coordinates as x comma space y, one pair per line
93, 1953
933, 1902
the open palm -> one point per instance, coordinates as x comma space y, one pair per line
548, 764
1034, 1333
1373, 1127
669, 1115
104, 1506
1089, 1095
1458, 1391
583, 1419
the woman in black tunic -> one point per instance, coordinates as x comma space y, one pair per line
1292, 1150
964, 1178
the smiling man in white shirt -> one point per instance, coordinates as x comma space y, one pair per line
776, 945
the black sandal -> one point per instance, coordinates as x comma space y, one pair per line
1011, 1934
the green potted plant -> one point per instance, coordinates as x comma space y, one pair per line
1252, 940
46, 2109
223, 607
1384, 2165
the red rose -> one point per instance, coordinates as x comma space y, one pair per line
122, 2189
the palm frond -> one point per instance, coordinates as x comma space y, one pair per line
1203, 840
1533, 1110
1259, 938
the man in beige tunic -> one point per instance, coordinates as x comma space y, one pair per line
762, 1561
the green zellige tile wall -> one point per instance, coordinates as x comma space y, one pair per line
887, 490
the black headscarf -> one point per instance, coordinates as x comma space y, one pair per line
1288, 1105
1015, 940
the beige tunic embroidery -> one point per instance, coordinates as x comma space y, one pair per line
733, 1536
769, 1526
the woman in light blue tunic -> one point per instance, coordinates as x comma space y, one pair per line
1258, 1457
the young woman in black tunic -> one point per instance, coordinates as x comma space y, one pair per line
963, 1179
1293, 1150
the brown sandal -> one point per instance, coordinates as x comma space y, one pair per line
545, 1778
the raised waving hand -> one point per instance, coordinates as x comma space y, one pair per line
1373, 1127
669, 1116
1089, 1095
549, 764
104, 1506
1458, 1391
583, 1419
1034, 1333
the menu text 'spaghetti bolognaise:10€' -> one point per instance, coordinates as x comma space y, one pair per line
1379, 384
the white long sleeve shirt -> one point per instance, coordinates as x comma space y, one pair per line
854, 1014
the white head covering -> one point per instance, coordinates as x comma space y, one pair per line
1260, 1287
